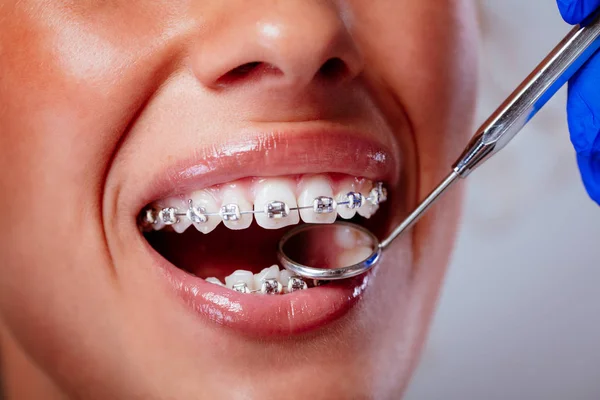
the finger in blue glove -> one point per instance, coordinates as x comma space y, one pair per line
575, 11
583, 105
583, 109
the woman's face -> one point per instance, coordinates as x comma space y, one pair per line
109, 106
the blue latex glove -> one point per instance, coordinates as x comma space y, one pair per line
583, 105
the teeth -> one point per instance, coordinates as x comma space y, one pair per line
195, 213
268, 273
284, 277
275, 204
274, 198
271, 286
234, 202
368, 209
295, 283
158, 224
241, 287
240, 276
316, 193
167, 215
202, 203
378, 194
214, 281
148, 219
269, 281
349, 190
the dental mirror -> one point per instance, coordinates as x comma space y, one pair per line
329, 252
343, 250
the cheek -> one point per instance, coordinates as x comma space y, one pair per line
58, 137
443, 126
69, 89
423, 55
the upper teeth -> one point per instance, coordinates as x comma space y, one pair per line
196, 214
275, 204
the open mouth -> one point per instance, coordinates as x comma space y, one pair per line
211, 224
227, 234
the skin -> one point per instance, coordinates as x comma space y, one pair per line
87, 90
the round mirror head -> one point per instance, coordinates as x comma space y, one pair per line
329, 251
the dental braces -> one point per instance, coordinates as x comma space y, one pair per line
273, 286
274, 209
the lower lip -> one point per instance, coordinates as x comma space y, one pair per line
264, 315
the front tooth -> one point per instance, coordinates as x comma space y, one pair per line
214, 281
240, 276
275, 191
316, 188
234, 196
203, 201
268, 273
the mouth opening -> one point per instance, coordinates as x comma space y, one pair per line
224, 255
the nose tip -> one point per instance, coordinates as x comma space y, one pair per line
286, 46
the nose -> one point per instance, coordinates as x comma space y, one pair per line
282, 44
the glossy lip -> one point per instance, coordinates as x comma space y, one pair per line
332, 150
271, 154
264, 315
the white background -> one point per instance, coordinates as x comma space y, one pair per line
519, 315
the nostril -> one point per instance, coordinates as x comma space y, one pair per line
245, 71
333, 69
238, 73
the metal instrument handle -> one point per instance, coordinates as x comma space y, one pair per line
518, 109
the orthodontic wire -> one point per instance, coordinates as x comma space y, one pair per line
214, 214
379, 196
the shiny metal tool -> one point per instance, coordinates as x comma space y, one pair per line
495, 133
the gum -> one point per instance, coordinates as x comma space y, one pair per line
248, 186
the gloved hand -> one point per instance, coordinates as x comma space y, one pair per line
583, 105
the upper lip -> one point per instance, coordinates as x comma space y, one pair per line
278, 152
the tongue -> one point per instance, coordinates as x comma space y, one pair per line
219, 253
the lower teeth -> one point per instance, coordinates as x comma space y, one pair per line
296, 283
267, 285
271, 286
